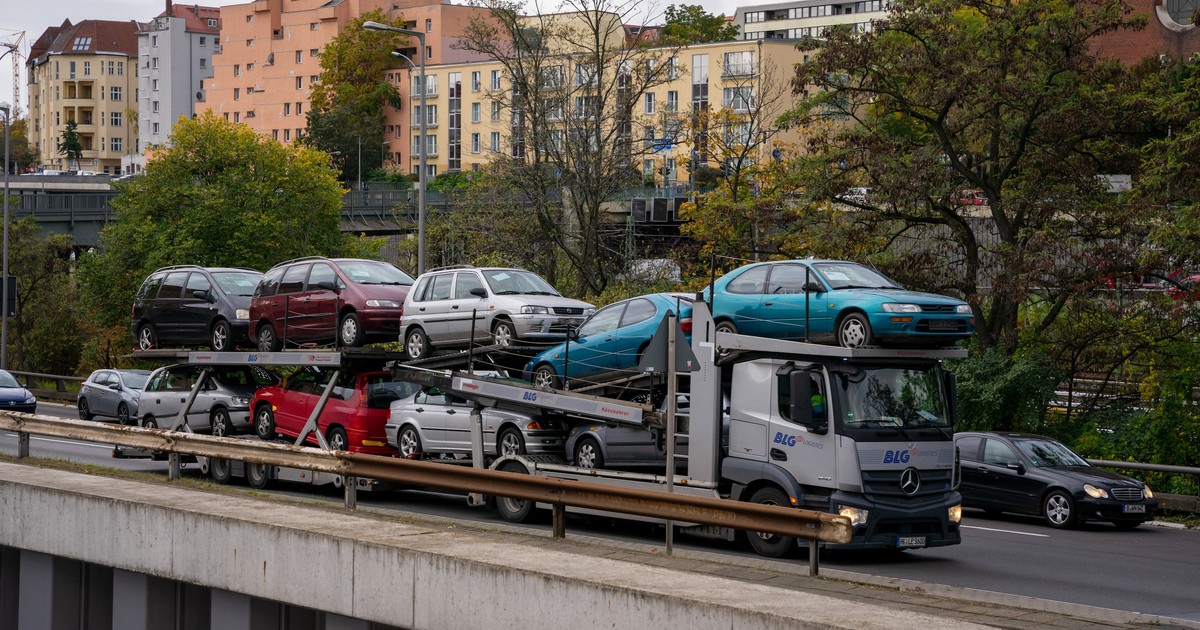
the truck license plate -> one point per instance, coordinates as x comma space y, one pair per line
904, 542
1141, 509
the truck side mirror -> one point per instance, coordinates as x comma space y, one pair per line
801, 405
950, 384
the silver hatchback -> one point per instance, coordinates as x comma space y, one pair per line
433, 422
222, 406
501, 306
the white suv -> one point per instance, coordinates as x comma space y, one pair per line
500, 305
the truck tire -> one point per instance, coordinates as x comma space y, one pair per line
257, 475
220, 470
771, 545
514, 510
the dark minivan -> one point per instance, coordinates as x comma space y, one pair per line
190, 305
349, 301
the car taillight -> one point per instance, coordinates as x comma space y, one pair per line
685, 325
534, 425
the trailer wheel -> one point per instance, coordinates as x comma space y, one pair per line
220, 470
514, 510
771, 545
257, 475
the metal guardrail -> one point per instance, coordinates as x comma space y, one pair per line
806, 524
1180, 502
60, 382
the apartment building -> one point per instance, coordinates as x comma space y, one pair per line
468, 123
87, 73
175, 53
269, 54
805, 18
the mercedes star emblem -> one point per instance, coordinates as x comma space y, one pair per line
910, 481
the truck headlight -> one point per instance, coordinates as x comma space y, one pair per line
956, 513
534, 310
857, 516
1094, 492
896, 307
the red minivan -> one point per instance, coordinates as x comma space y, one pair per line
347, 301
353, 417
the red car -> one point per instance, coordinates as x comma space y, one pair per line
969, 198
352, 419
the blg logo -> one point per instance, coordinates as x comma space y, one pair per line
786, 440
895, 457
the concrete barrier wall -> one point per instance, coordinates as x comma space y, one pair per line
382, 569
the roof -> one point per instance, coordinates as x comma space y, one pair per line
89, 37
195, 17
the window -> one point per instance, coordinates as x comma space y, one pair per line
212, 22
287, 135
155, 126
553, 107
237, 94
998, 453
299, 56
72, 70
495, 79
249, 43
475, 112
673, 68
237, 70
275, 134
495, 111
115, 93
648, 167
154, 85
87, 68
430, 115
739, 98
649, 108
585, 75
428, 26
203, 62
648, 136
474, 143
120, 68
299, 83
154, 63
587, 106
672, 102
312, 26
287, 109
250, 18
249, 67
299, 105
237, 117
115, 144
153, 41
738, 63
154, 106
495, 141
203, 41
475, 81
314, 52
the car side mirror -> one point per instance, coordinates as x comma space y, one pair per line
115, 386
479, 292
813, 287
207, 296
327, 285
1017, 467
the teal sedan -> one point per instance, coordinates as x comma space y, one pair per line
834, 301
609, 344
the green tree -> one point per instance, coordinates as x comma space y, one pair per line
221, 195
1008, 98
70, 145
47, 332
691, 24
21, 154
346, 110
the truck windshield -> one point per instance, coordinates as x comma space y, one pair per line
889, 397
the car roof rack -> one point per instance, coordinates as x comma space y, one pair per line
300, 259
450, 267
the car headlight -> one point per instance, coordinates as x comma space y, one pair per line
30, 399
587, 312
963, 309
241, 401
534, 310
241, 313
896, 307
1146, 492
956, 513
383, 304
857, 516
1094, 492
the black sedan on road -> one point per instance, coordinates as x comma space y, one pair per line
1034, 474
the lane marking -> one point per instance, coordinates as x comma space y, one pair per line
1005, 531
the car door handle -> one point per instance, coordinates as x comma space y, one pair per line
455, 307
450, 412
982, 469
420, 410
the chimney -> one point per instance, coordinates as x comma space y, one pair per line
169, 12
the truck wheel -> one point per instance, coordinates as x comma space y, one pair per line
220, 470
514, 510
510, 442
771, 545
257, 475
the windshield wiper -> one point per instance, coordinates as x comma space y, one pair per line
508, 293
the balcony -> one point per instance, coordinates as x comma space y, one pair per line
739, 70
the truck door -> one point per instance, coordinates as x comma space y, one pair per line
803, 446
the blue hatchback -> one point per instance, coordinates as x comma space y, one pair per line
845, 303
609, 344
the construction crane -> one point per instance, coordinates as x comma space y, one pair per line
14, 49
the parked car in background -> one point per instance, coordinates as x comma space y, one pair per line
1034, 474
354, 414
222, 406
857, 195
189, 305
14, 396
433, 422
609, 343
969, 198
845, 303
348, 301
111, 394
500, 305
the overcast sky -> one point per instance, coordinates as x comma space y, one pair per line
35, 16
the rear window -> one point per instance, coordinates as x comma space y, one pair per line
382, 390
173, 286
150, 286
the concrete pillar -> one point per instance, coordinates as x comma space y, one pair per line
195, 607
142, 602
97, 597
338, 622
234, 611
10, 585
50, 592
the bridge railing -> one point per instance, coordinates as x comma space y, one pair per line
806, 524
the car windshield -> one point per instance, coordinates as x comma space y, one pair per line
373, 272
135, 381
8, 380
237, 282
517, 281
893, 397
1049, 453
847, 275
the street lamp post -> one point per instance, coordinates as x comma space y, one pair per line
4, 271
423, 151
